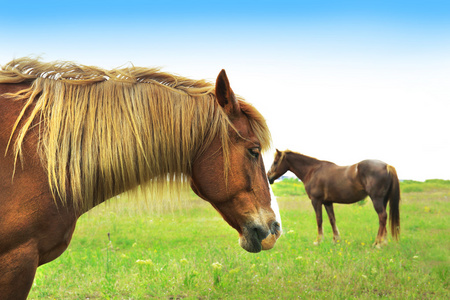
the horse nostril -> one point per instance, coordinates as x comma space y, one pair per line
260, 232
275, 228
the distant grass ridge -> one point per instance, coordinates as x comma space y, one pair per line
292, 186
408, 186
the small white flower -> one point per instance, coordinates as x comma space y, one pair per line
144, 262
217, 266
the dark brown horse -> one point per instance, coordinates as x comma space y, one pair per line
326, 183
73, 136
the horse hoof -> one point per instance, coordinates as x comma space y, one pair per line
376, 245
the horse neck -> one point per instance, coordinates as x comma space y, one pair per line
300, 164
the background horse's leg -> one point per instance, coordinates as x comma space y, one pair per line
380, 208
317, 204
330, 212
17, 269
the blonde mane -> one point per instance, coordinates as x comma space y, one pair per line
102, 132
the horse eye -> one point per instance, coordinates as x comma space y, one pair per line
254, 152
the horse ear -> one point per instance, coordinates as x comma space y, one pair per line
278, 151
224, 94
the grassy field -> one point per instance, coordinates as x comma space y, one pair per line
121, 252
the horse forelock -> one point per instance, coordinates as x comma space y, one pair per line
279, 156
257, 123
111, 135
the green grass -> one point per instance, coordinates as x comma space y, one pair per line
192, 253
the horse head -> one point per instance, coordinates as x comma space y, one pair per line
279, 166
234, 180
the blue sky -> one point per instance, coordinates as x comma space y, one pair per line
398, 10
373, 27
338, 80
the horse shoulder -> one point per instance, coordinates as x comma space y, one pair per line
315, 183
30, 215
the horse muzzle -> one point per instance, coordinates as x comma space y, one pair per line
270, 177
255, 238
271, 239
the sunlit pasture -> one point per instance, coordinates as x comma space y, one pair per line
123, 251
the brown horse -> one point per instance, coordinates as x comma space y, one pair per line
326, 183
73, 136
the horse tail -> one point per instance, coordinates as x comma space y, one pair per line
394, 203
